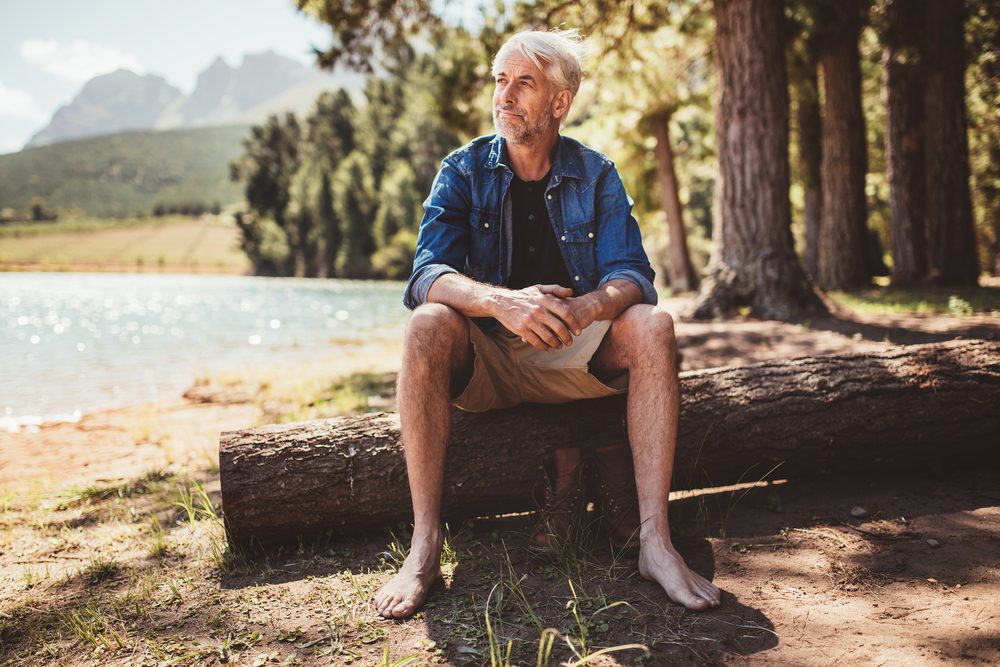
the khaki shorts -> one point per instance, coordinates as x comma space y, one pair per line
507, 371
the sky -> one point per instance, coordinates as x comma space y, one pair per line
50, 48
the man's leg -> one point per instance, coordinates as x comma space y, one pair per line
436, 355
641, 340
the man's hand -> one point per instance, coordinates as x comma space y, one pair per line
542, 315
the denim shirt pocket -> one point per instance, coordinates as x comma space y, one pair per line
579, 242
484, 249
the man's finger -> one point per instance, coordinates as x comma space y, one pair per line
532, 339
562, 310
557, 328
557, 290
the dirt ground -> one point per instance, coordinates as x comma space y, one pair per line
107, 557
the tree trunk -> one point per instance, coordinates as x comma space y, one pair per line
679, 267
843, 232
753, 260
331, 226
810, 151
903, 63
918, 406
949, 208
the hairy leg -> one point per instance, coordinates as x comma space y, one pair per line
437, 356
641, 340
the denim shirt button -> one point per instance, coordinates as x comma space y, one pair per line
576, 278
562, 238
590, 235
550, 196
486, 225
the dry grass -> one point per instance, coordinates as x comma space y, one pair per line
208, 243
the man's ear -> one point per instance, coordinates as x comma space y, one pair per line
561, 103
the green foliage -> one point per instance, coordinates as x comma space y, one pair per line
354, 203
340, 194
124, 174
400, 203
362, 28
982, 80
649, 60
264, 243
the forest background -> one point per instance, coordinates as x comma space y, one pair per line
339, 192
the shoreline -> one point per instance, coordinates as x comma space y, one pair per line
104, 267
291, 376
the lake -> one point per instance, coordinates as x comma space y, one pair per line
75, 342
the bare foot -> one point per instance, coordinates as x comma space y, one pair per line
660, 562
408, 590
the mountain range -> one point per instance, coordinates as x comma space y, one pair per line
262, 84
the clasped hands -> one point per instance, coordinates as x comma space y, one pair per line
544, 316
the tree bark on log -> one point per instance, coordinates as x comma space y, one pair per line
922, 405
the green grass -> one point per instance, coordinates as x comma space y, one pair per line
954, 301
353, 394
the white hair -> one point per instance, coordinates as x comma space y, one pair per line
558, 53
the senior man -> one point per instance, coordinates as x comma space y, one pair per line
530, 284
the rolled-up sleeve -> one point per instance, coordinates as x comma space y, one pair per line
443, 239
619, 244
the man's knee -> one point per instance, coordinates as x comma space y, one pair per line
645, 324
646, 335
435, 325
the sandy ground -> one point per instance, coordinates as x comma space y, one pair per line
807, 581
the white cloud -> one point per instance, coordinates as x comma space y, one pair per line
77, 61
18, 103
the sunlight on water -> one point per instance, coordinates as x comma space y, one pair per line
72, 342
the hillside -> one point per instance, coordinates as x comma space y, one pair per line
262, 84
126, 173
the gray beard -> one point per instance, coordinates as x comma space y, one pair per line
523, 133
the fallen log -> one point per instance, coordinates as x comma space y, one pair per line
915, 406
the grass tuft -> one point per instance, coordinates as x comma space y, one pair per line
101, 570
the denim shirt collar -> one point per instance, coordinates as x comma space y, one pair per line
564, 163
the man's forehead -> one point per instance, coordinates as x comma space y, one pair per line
514, 64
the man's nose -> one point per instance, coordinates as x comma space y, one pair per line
508, 93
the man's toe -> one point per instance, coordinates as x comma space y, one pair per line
708, 591
402, 609
693, 600
387, 604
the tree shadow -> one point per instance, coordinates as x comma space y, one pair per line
878, 524
906, 329
497, 571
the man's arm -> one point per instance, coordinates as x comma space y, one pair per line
541, 315
618, 246
606, 302
443, 239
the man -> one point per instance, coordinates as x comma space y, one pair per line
529, 284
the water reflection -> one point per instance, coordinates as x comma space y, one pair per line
74, 342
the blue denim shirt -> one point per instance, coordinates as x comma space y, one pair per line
468, 228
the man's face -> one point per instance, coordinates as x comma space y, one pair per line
522, 99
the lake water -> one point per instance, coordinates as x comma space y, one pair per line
75, 342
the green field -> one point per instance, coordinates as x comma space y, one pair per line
125, 174
208, 243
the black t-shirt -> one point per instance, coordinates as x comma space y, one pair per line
537, 259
